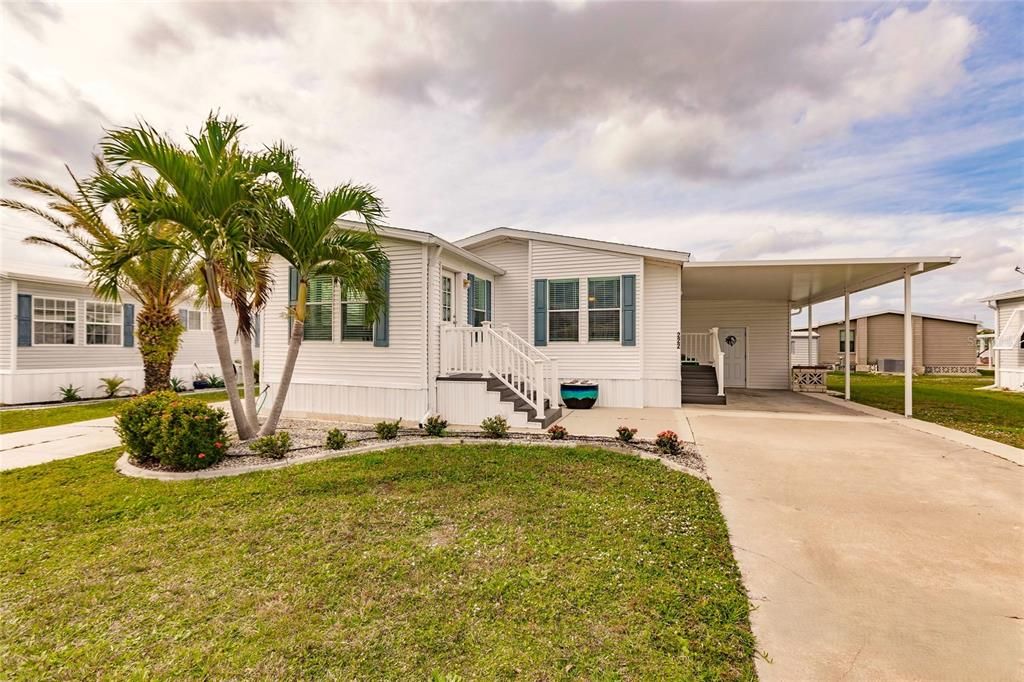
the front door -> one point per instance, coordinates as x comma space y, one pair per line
734, 345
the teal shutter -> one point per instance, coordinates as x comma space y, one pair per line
256, 329
381, 328
487, 295
183, 316
470, 298
629, 310
293, 294
129, 324
540, 312
24, 320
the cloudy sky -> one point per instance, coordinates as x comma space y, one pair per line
729, 130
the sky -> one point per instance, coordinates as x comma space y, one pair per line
729, 130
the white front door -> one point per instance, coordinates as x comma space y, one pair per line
734, 345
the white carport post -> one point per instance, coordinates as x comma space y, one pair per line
908, 348
810, 330
846, 348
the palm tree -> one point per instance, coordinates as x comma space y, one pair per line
302, 229
159, 280
212, 192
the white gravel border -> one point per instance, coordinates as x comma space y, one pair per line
125, 467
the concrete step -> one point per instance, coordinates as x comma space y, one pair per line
701, 399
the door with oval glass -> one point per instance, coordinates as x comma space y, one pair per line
734, 345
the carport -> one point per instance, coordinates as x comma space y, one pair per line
806, 283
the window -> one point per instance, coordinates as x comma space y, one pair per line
195, 320
446, 298
355, 323
479, 301
842, 341
319, 309
564, 310
603, 312
53, 322
103, 324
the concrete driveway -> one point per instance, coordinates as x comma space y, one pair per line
870, 550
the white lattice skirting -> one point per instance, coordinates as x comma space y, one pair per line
950, 369
810, 379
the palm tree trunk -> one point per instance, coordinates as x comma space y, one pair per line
227, 365
294, 342
158, 330
249, 381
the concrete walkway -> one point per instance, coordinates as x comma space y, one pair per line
870, 550
35, 446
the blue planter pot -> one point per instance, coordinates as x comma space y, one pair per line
581, 396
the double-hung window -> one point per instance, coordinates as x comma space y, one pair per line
53, 321
355, 322
842, 341
603, 309
564, 310
103, 323
319, 309
446, 298
195, 320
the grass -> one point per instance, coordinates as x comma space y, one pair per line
947, 400
22, 420
478, 561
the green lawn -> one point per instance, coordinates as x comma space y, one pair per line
950, 401
481, 561
22, 420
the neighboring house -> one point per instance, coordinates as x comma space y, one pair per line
1008, 347
985, 341
54, 332
942, 345
799, 352
494, 323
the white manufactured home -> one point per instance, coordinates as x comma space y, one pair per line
1007, 349
495, 323
54, 331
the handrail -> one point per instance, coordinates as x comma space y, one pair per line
525, 346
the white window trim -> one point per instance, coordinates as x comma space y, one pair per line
613, 342
451, 296
579, 335
119, 315
342, 294
74, 324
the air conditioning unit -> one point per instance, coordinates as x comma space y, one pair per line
890, 365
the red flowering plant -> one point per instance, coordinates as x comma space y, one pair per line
558, 432
667, 443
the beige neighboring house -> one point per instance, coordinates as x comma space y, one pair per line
1007, 349
54, 331
942, 345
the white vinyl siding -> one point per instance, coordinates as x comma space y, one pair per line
8, 322
103, 324
510, 299
1010, 359
660, 333
767, 324
54, 321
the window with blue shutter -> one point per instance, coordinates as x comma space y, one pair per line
470, 297
382, 327
129, 324
487, 301
629, 310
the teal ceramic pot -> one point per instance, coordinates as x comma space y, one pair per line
579, 396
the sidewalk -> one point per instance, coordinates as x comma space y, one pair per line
35, 446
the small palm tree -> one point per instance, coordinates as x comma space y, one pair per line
302, 229
212, 192
159, 280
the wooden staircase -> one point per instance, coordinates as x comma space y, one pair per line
699, 384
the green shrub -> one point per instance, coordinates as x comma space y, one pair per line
183, 434
112, 386
435, 425
274, 446
336, 439
558, 432
70, 393
387, 430
138, 424
626, 434
667, 443
177, 385
495, 427
216, 381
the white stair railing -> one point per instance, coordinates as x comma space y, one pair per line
504, 355
717, 359
696, 347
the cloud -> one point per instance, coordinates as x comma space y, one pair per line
157, 34
732, 90
773, 242
233, 18
34, 15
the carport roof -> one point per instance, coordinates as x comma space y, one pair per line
801, 282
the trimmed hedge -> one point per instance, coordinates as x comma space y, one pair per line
182, 434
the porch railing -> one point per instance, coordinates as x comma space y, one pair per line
705, 348
504, 355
